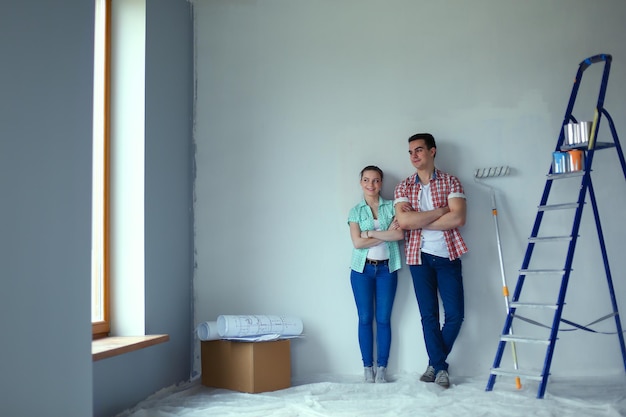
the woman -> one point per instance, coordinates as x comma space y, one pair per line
374, 270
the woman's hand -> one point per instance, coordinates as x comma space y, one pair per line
364, 234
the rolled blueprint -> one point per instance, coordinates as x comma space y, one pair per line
257, 325
207, 331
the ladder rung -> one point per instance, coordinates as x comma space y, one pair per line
557, 206
523, 339
566, 175
541, 271
598, 145
604, 145
549, 238
533, 305
516, 372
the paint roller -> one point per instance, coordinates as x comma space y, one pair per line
479, 175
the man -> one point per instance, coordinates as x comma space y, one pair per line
430, 206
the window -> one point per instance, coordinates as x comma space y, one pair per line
118, 189
118, 277
100, 317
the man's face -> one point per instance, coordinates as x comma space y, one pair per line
421, 157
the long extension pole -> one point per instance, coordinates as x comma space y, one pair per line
499, 172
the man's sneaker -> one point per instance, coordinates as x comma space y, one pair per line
369, 374
381, 375
429, 375
442, 379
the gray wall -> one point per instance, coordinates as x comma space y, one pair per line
46, 51
122, 381
295, 97
45, 171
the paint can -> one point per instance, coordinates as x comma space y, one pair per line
584, 131
560, 162
570, 133
576, 160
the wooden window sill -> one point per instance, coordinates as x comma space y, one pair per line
117, 345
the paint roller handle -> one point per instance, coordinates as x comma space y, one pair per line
594, 60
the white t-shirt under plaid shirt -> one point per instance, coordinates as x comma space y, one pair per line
443, 186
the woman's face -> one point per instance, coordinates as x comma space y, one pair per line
371, 183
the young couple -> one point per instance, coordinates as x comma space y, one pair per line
428, 209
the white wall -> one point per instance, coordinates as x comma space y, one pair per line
295, 97
46, 79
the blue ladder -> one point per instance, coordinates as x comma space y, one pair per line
586, 187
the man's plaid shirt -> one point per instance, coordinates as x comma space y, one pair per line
443, 186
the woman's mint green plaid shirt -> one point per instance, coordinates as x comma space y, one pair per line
362, 214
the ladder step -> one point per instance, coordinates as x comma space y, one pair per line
598, 145
604, 145
563, 206
548, 238
566, 175
533, 305
542, 271
523, 339
516, 372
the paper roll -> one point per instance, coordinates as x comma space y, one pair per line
208, 331
256, 325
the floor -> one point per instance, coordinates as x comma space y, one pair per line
348, 396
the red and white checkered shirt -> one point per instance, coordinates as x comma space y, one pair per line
443, 186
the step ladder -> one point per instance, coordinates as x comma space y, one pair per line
517, 309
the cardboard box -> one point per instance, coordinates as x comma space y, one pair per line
246, 366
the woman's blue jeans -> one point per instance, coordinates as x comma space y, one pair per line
374, 292
437, 274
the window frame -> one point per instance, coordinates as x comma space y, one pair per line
102, 328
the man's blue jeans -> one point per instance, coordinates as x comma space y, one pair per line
437, 274
374, 292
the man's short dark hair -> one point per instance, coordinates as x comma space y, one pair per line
427, 137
